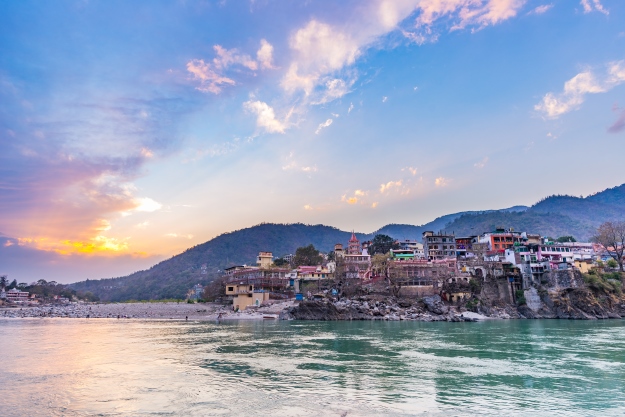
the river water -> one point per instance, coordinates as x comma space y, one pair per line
277, 368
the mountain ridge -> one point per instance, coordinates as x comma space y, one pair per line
556, 215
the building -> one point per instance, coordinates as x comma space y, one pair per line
412, 245
438, 246
403, 254
233, 270
528, 260
464, 245
314, 273
500, 239
245, 295
197, 291
16, 295
357, 260
264, 260
338, 251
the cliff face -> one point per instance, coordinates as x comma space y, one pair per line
562, 295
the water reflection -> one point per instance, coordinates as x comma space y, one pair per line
112, 367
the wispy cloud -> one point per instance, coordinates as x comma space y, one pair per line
411, 170
594, 6
619, 124
481, 164
541, 9
323, 126
389, 185
212, 76
575, 90
177, 235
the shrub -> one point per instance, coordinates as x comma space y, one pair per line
520, 297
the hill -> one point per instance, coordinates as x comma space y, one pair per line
554, 216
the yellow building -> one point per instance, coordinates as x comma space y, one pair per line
583, 266
245, 296
264, 260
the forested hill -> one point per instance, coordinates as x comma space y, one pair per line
553, 216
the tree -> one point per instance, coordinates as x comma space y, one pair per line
4, 281
280, 262
611, 235
306, 255
382, 244
563, 239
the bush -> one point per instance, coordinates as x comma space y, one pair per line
520, 297
472, 304
612, 263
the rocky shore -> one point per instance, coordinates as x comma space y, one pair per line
379, 308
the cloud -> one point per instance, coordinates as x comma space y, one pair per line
350, 108
389, 185
575, 90
459, 14
293, 165
441, 182
176, 235
481, 164
384, 99
349, 200
374, 204
265, 116
308, 207
320, 49
265, 55
619, 125
212, 75
142, 225
542, 9
413, 171
593, 5
358, 197
210, 81
228, 57
147, 205
323, 126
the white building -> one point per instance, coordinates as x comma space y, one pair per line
16, 295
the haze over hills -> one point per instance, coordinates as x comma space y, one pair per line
553, 216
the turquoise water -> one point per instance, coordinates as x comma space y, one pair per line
124, 367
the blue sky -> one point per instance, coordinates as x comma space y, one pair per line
130, 131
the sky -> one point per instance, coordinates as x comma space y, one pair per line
130, 131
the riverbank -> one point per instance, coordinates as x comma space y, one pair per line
164, 311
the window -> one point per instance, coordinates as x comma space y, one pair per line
230, 288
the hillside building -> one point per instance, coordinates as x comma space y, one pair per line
439, 246
357, 260
264, 260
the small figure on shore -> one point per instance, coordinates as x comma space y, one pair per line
186, 318
219, 316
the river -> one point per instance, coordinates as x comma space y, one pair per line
110, 367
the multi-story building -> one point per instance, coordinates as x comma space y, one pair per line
464, 245
500, 239
264, 260
245, 295
412, 245
16, 295
357, 260
439, 246
314, 273
338, 251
